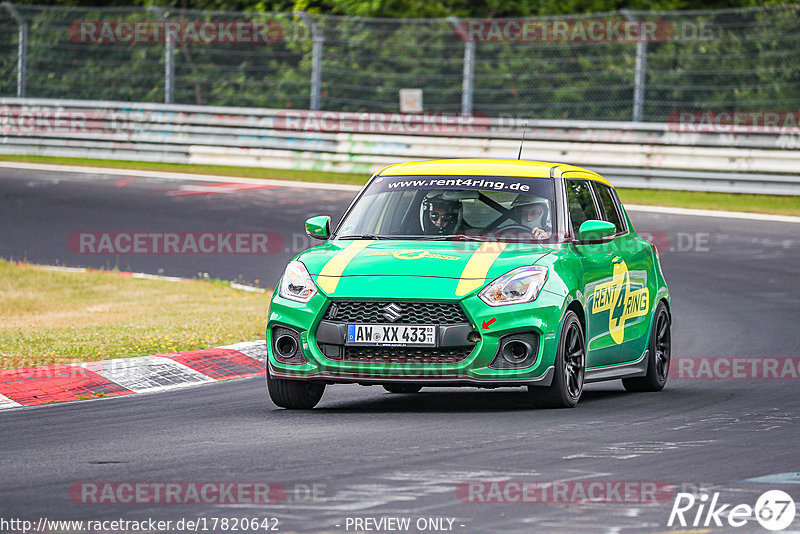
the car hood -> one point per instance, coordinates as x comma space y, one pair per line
413, 269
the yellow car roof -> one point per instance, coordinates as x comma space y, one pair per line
489, 167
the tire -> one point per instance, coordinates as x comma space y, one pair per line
659, 355
570, 368
402, 388
294, 394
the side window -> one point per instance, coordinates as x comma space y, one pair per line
579, 203
609, 206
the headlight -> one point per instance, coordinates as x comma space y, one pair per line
514, 287
296, 283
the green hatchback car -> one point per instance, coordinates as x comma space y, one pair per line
472, 272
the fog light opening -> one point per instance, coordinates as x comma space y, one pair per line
516, 351
474, 336
285, 346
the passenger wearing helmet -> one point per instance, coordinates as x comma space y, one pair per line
443, 216
532, 212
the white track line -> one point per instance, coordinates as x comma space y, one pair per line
59, 268
177, 176
252, 289
145, 276
714, 213
345, 187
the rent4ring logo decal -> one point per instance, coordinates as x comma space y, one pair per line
621, 301
412, 254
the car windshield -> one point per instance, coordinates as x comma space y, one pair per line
482, 208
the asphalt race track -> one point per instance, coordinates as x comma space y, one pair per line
40, 211
369, 454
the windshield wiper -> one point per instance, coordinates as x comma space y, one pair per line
454, 237
362, 236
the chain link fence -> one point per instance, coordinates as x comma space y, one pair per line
622, 66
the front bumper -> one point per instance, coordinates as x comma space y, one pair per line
541, 317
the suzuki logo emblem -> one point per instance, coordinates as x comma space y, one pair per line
392, 312
333, 311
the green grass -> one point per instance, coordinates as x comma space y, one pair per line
775, 204
49, 317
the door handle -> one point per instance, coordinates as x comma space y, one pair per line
616, 259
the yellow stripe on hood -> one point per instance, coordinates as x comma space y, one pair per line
328, 277
477, 267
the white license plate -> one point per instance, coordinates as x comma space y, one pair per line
391, 334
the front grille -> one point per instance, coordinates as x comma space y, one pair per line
373, 311
386, 355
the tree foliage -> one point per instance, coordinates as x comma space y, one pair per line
423, 8
748, 61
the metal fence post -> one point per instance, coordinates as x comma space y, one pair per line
22, 48
169, 59
169, 70
639, 80
640, 72
468, 76
317, 40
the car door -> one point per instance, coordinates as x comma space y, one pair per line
629, 321
598, 268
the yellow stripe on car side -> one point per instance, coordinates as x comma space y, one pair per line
478, 265
328, 277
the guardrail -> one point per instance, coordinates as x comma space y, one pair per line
645, 155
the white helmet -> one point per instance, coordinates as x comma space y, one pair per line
528, 200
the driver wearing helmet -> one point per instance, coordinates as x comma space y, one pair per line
532, 212
443, 216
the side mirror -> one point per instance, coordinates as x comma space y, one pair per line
594, 230
319, 227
